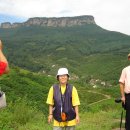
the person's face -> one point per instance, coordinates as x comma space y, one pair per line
63, 79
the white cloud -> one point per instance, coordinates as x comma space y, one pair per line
110, 14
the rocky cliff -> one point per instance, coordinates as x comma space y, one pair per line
53, 22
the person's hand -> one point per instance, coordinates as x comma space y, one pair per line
50, 117
123, 99
0, 45
77, 119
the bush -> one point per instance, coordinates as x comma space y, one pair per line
21, 116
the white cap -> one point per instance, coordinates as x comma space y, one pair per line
62, 71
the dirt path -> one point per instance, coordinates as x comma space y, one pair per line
107, 97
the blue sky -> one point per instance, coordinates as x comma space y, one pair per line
11, 19
109, 14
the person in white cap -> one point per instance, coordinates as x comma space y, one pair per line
124, 82
63, 103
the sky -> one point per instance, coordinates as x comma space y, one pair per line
113, 15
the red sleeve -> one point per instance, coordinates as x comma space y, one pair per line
3, 66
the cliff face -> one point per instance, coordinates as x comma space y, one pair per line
53, 22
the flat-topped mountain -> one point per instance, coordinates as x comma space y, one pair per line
53, 22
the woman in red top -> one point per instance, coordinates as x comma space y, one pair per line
4, 67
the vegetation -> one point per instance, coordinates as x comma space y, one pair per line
88, 50
95, 58
26, 94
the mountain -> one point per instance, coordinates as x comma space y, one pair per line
53, 22
89, 51
93, 55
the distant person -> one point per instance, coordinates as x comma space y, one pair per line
63, 103
125, 92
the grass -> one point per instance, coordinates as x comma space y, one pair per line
103, 116
30, 112
20, 116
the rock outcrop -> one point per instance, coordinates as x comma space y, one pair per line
53, 22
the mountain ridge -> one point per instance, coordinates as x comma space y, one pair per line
52, 21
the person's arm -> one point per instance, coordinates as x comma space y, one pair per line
76, 103
4, 67
50, 102
50, 116
122, 92
77, 114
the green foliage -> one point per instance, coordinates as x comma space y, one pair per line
87, 98
85, 50
89, 52
26, 94
20, 83
21, 116
99, 121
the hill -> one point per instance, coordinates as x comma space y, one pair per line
89, 51
92, 54
26, 94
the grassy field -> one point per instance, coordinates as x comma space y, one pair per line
26, 94
104, 116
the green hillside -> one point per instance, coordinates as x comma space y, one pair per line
26, 94
87, 50
94, 57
